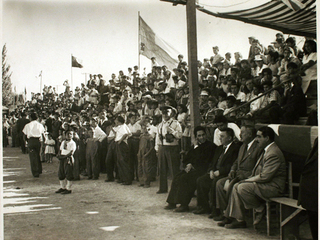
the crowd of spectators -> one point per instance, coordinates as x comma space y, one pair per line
115, 124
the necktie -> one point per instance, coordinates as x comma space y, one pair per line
220, 157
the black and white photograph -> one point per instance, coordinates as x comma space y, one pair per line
159, 119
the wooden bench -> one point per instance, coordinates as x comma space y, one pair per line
289, 210
289, 222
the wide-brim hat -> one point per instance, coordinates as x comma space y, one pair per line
165, 109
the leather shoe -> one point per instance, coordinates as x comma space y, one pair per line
109, 180
60, 190
182, 209
236, 224
224, 222
259, 216
170, 206
146, 186
66, 192
213, 215
200, 211
219, 218
160, 192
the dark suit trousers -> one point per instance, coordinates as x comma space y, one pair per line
133, 151
103, 149
34, 155
169, 158
22, 143
124, 170
206, 187
111, 160
93, 164
183, 187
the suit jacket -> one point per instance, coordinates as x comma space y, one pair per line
200, 157
20, 125
269, 173
246, 159
308, 192
227, 160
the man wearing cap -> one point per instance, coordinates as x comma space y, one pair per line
217, 57
33, 133
204, 96
167, 145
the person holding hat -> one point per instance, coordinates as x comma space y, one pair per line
167, 145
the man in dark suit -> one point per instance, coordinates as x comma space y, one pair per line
308, 193
267, 180
223, 159
20, 125
241, 169
196, 164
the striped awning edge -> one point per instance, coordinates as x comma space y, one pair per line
277, 15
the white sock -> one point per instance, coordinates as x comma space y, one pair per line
63, 184
69, 184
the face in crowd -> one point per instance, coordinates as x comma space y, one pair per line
201, 136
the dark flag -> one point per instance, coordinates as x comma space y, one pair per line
76, 62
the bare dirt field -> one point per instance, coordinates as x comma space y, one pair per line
99, 210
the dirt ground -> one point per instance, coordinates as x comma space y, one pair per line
99, 210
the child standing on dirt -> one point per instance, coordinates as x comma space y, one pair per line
49, 150
65, 155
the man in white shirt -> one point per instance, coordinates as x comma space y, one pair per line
118, 153
167, 145
33, 133
222, 124
100, 136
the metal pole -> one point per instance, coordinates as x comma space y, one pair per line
139, 41
193, 64
71, 75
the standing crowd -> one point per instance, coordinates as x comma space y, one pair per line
136, 127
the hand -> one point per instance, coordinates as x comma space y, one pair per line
188, 167
216, 173
232, 174
211, 174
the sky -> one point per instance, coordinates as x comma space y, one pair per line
42, 36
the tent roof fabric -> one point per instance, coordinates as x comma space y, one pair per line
277, 15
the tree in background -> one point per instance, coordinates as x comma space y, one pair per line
6, 79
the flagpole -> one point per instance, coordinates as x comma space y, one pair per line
41, 82
139, 40
71, 75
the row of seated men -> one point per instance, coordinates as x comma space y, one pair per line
231, 177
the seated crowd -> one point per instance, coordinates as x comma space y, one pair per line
137, 127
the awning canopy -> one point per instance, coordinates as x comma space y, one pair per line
277, 15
